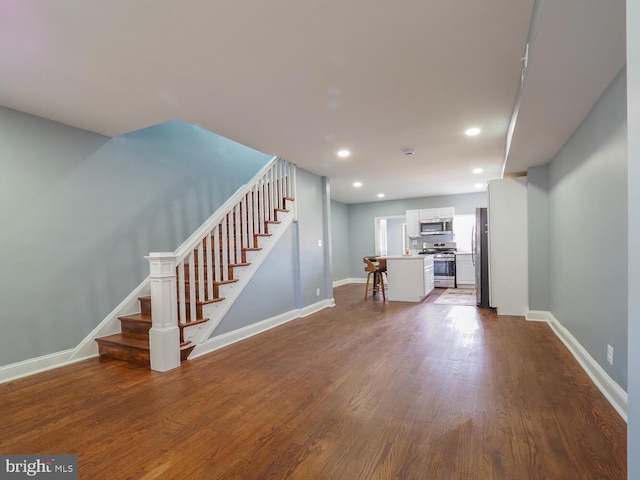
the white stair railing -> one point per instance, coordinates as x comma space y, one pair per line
209, 255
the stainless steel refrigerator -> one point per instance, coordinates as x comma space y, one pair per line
480, 256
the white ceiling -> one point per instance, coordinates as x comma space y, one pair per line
304, 78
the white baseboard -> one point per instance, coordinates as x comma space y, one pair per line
243, 333
316, 307
613, 392
538, 316
346, 281
37, 365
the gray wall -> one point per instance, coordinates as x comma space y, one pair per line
313, 226
395, 239
633, 118
362, 215
588, 231
538, 241
270, 292
84, 210
340, 240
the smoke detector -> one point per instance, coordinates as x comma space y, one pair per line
408, 151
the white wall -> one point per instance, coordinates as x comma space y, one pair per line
508, 264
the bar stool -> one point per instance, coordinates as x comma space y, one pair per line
373, 267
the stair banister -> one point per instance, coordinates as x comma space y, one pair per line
256, 203
187, 246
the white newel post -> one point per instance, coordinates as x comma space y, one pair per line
164, 336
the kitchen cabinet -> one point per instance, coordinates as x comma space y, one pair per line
436, 213
446, 212
410, 277
428, 213
413, 223
465, 271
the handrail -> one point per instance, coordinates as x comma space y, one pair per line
192, 242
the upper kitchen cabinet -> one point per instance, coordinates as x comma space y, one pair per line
436, 213
413, 223
446, 212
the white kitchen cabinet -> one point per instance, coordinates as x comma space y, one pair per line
428, 213
436, 213
410, 278
413, 223
465, 271
446, 212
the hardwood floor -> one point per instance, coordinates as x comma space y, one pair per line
365, 390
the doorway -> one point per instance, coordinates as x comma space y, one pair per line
390, 235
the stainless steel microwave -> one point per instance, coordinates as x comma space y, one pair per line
443, 226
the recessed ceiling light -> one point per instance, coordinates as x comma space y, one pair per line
380, 195
472, 132
477, 170
357, 184
344, 153
479, 185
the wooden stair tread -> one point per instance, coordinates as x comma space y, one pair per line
126, 341
212, 300
192, 323
137, 317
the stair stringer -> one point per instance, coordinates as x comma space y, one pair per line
215, 312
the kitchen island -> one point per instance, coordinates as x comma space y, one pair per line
410, 277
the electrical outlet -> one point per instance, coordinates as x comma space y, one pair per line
610, 354
319, 243
317, 292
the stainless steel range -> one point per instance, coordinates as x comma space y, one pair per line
444, 262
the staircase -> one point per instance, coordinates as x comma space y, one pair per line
211, 269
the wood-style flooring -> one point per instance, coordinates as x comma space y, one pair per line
365, 390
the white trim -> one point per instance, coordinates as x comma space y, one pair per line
538, 316
38, 365
243, 333
345, 281
613, 392
316, 307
